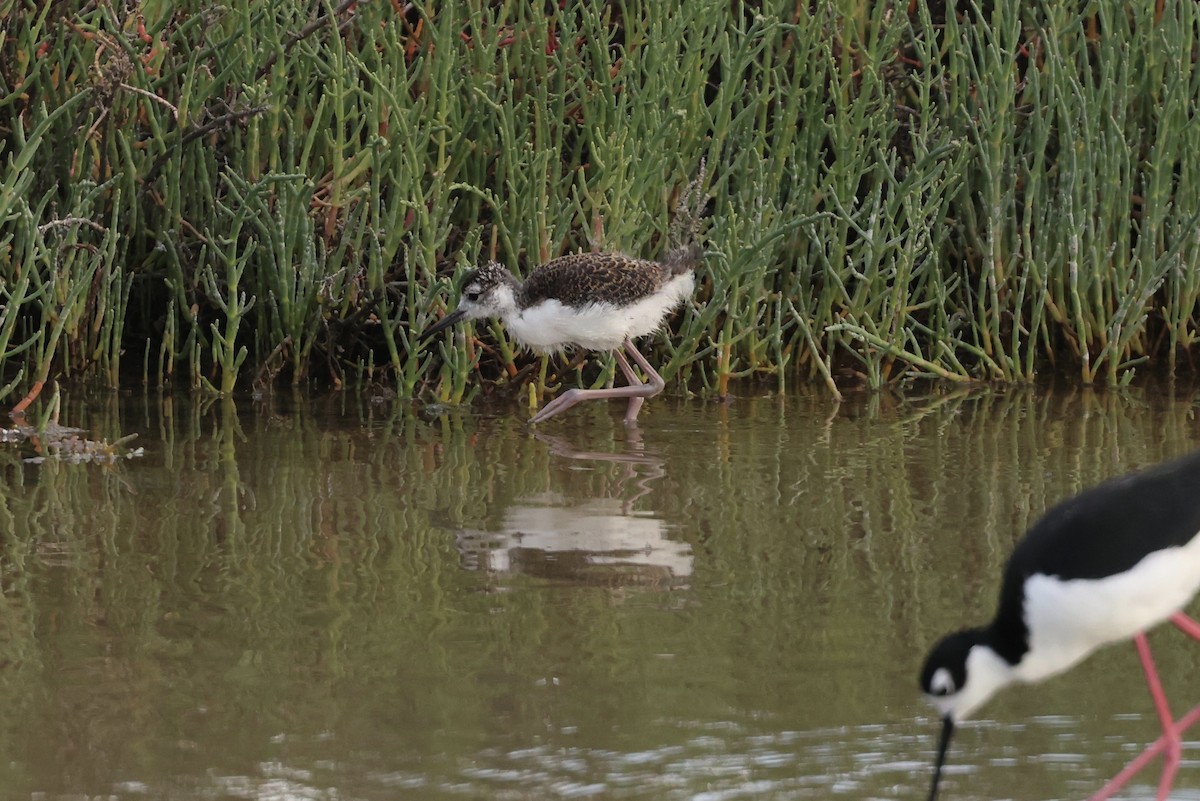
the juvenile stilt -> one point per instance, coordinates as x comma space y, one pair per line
598, 301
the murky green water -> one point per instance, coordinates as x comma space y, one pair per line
323, 601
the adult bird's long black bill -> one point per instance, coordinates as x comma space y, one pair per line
442, 324
943, 744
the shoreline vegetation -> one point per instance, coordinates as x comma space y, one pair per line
239, 195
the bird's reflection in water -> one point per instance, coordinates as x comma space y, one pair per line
594, 541
639, 467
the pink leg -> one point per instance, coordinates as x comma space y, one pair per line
653, 380
1171, 742
1143, 759
1174, 747
635, 403
1186, 624
635, 391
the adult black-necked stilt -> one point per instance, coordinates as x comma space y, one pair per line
598, 301
1105, 565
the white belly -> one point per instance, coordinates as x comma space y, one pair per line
549, 325
1068, 620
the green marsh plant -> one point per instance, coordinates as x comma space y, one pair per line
221, 196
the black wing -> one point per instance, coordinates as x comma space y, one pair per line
1112, 526
1103, 530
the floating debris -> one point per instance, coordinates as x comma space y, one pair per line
66, 444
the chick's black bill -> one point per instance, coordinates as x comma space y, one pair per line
442, 324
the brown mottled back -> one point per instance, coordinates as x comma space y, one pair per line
582, 278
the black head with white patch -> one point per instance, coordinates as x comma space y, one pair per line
945, 672
960, 674
489, 291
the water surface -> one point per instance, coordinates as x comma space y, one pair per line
347, 599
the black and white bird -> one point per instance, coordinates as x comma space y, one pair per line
1101, 567
597, 301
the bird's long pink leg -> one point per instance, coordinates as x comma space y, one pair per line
635, 403
1171, 740
1174, 746
1143, 759
653, 378
636, 390
1186, 624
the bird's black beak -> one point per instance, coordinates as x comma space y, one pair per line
442, 324
943, 744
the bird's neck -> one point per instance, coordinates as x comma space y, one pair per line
1008, 637
505, 298
987, 672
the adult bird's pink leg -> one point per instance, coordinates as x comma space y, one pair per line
1171, 740
1174, 745
1143, 759
1186, 624
636, 389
